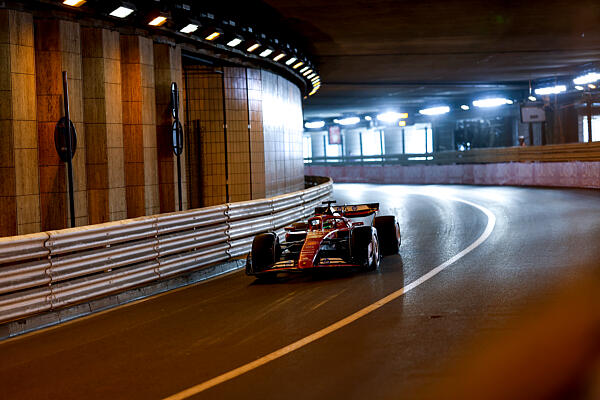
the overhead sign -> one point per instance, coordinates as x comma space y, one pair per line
533, 114
335, 135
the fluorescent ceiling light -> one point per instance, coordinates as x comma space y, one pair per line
591, 86
587, 78
368, 118
278, 57
465, 107
304, 69
252, 48
402, 123
311, 76
391, 116
579, 87
551, 90
314, 124
234, 42
298, 64
189, 28
532, 98
435, 110
121, 12
347, 121
73, 3
492, 102
291, 61
158, 21
266, 52
213, 35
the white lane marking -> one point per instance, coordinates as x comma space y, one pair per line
184, 394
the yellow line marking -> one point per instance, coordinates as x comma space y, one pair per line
184, 394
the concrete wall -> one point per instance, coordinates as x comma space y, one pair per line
560, 174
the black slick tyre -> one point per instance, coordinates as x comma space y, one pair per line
265, 252
365, 247
388, 232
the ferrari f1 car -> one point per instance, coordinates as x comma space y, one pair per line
330, 239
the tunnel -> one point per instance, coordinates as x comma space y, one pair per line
299, 199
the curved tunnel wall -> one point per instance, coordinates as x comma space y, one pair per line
124, 167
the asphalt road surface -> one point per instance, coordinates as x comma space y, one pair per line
542, 239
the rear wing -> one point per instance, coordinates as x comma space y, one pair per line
356, 211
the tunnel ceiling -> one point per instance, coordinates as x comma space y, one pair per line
375, 54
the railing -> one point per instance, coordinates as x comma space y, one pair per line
51, 270
548, 153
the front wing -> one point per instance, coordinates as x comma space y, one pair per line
292, 266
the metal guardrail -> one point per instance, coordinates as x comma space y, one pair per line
548, 153
51, 270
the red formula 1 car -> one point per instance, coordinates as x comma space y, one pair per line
327, 240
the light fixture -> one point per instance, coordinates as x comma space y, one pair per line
253, 47
491, 102
158, 21
551, 90
298, 65
73, 3
122, 12
234, 42
266, 52
304, 69
278, 56
311, 76
368, 118
306, 73
314, 124
402, 123
531, 98
435, 110
215, 34
391, 116
591, 86
291, 61
189, 28
347, 121
579, 87
590, 77
465, 107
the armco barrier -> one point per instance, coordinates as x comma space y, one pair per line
52, 270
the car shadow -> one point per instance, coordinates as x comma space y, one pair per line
319, 275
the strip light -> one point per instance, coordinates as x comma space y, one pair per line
391, 116
347, 121
587, 78
253, 47
551, 90
314, 124
492, 102
291, 61
73, 3
278, 57
234, 42
158, 21
189, 28
435, 110
298, 65
213, 36
121, 12
266, 53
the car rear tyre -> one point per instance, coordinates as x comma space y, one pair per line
388, 232
265, 252
365, 247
